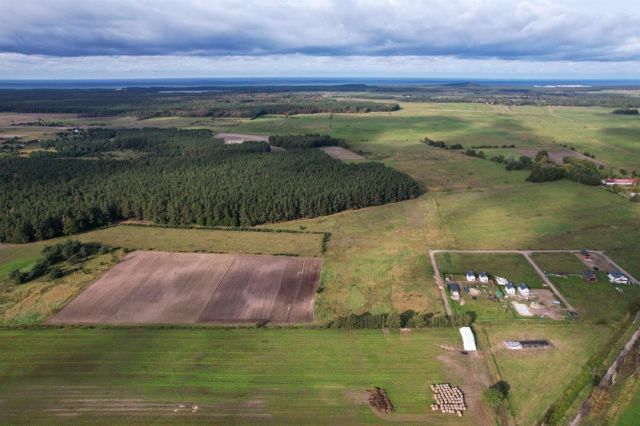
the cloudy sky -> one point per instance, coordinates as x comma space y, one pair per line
330, 38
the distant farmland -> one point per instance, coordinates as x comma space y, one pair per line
161, 287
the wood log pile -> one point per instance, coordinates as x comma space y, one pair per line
379, 400
449, 399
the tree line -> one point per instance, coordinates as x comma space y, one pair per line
185, 177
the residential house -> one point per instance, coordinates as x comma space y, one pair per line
454, 288
509, 288
502, 281
523, 290
471, 276
484, 278
617, 277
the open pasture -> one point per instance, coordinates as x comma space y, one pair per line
274, 376
161, 287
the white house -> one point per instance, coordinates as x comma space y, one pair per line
509, 288
523, 290
484, 278
502, 281
454, 288
617, 277
471, 276
468, 340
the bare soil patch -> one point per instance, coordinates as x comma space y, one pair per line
233, 138
556, 155
340, 153
149, 287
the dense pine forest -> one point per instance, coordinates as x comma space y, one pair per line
179, 177
150, 102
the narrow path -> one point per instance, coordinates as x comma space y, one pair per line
440, 282
584, 410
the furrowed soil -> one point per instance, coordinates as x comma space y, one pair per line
149, 287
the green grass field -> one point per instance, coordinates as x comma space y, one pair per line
631, 413
233, 375
538, 377
514, 267
598, 302
559, 262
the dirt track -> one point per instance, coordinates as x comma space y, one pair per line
149, 287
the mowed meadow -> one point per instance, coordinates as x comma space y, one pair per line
232, 376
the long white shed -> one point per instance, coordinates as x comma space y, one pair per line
468, 340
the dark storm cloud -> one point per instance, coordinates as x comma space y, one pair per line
538, 30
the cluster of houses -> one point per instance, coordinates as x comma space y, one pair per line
509, 288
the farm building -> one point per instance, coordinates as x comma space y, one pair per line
622, 182
484, 278
471, 276
527, 344
523, 289
617, 277
513, 345
589, 276
502, 281
454, 288
468, 340
535, 344
509, 288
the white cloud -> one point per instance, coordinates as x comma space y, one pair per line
533, 29
16, 66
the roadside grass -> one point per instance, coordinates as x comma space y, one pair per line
630, 410
33, 302
299, 375
538, 377
597, 302
514, 266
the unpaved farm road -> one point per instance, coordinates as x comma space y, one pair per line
527, 255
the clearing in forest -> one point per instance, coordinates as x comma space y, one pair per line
340, 153
149, 287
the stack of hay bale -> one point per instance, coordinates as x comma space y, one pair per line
449, 399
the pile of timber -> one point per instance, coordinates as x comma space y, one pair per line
379, 400
449, 399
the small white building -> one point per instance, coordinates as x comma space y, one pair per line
502, 281
468, 340
509, 288
523, 290
617, 277
471, 276
484, 277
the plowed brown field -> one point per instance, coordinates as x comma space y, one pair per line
150, 287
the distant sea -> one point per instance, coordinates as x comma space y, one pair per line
236, 82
